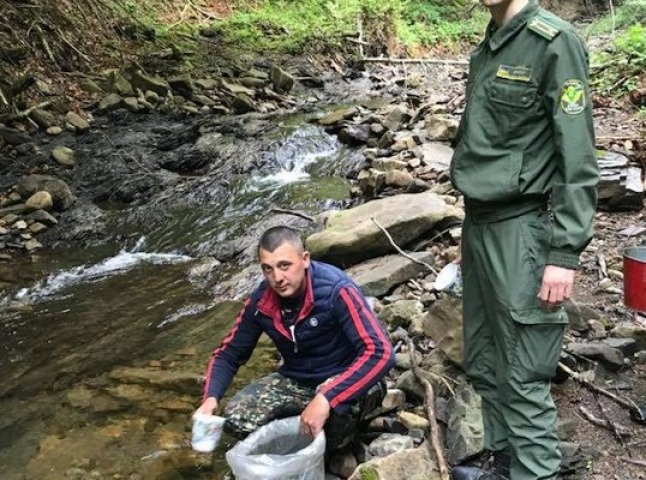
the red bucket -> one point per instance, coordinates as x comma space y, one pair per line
635, 278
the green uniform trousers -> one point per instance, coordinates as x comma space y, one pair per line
512, 342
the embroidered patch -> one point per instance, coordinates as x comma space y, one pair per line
314, 322
517, 73
573, 97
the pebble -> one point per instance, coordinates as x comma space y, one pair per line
20, 225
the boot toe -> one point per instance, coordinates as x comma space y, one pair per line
467, 473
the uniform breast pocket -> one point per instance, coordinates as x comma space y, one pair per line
512, 106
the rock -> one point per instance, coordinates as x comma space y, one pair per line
19, 225
443, 323
64, 156
399, 178
388, 443
43, 118
90, 86
441, 127
351, 236
411, 421
354, 134
632, 331
146, 82
378, 276
183, 85
119, 84
131, 103
41, 216
627, 346
371, 181
406, 143
40, 201
609, 356
397, 117
281, 80
3, 231
342, 464
33, 244
393, 399
183, 382
12, 199
579, 314
37, 227
387, 164
151, 97
79, 123
336, 116
403, 360
253, 83
110, 102
58, 189
400, 314
436, 156
206, 83
243, 104
410, 464
53, 131
597, 330
465, 430
13, 136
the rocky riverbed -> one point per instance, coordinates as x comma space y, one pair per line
128, 235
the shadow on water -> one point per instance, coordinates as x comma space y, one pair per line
102, 349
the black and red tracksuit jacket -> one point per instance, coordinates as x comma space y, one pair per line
335, 335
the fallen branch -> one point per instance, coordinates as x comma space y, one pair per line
401, 252
432, 61
46, 45
429, 404
3, 98
629, 404
640, 463
293, 212
619, 430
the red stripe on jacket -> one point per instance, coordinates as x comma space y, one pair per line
367, 354
222, 346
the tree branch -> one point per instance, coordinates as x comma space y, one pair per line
429, 404
401, 252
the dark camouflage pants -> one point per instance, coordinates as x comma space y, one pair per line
275, 396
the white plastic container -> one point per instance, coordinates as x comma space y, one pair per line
207, 430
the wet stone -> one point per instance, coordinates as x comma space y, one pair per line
388, 443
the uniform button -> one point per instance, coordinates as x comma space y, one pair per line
524, 99
494, 91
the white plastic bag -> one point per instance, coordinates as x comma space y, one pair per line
277, 451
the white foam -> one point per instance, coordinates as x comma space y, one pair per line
117, 265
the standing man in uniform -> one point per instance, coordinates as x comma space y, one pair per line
335, 351
525, 162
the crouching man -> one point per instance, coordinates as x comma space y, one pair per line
335, 351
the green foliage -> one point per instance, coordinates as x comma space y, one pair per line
618, 71
628, 13
368, 473
282, 25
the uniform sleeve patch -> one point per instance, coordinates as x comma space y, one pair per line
573, 97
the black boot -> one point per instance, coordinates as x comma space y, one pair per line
497, 469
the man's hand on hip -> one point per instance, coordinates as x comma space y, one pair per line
208, 406
315, 415
557, 285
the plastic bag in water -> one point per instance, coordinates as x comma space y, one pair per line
277, 451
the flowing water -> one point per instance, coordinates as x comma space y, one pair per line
102, 348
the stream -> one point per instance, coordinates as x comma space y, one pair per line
103, 345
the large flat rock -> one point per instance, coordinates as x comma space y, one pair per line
378, 276
351, 236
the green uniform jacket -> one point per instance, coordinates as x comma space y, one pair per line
526, 134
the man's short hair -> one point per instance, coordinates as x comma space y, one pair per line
277, 236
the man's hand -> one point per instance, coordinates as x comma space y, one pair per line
557, 285
208, 406
315, 415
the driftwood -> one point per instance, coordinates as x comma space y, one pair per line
401, 252
629, 404
293, 212
429, 405
432, 61
619, 430
640, 463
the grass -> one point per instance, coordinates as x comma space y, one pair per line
629, 13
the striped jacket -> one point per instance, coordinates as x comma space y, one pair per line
336, 335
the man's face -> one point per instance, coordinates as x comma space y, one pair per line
285, 269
